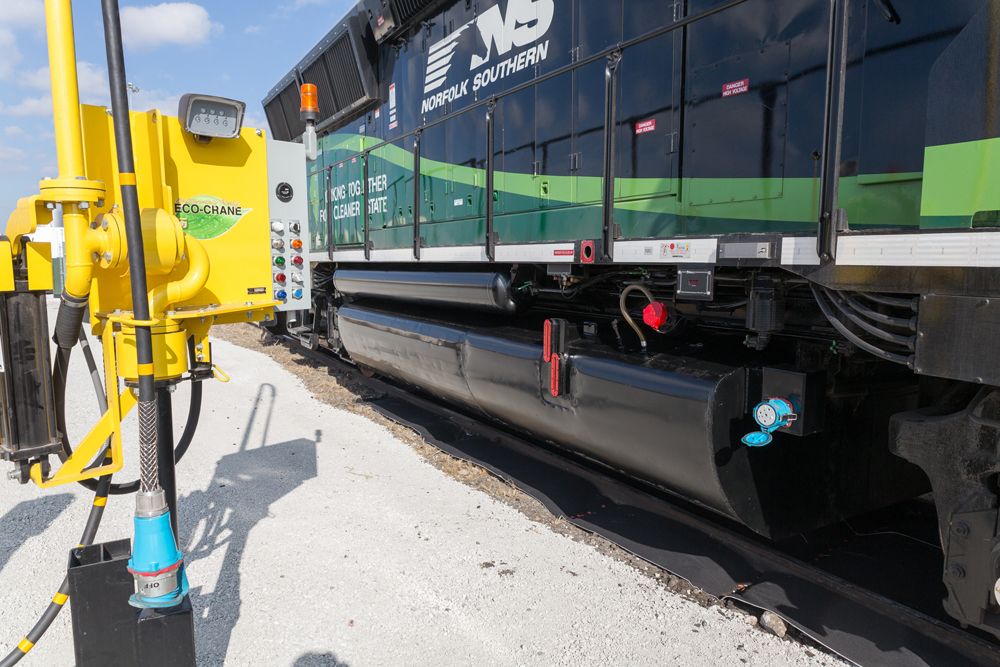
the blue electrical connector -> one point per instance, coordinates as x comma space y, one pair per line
770, 415
157, 564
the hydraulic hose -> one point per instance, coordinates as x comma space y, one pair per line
149, 476
907, 341
628, 318
60, 598
846, 333
904, 322
895, 302
59, 382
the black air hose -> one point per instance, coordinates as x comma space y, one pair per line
895, 302
846, 333
907, 341
59, 601
904, 322
59, 382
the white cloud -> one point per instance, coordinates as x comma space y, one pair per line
30, 106
92, 82
156, 99
8, 154
13, 131
180, 23
252, 30
22, 13
9, 55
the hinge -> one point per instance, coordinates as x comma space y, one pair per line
574, 54
674, 140
575, 161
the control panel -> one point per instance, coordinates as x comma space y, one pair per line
289, 212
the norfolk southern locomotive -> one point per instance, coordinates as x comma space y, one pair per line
743, 251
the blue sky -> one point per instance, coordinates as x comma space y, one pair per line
232, 48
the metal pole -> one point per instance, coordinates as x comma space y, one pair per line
490, 126
416, 195
610, 130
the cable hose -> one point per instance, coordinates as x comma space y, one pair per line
628, 318
904, 322
895, 302
59, 384
844, 331
60, 598
906, 341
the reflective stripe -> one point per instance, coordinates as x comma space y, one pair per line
126, 179
101, 502
60, 599
144, 369
25, 645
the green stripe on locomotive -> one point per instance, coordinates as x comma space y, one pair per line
558, 208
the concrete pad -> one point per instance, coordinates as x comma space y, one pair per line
313, 536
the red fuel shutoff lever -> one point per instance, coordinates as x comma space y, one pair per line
656, 315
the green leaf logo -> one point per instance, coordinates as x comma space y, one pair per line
206, 217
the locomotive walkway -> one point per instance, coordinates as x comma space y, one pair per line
315, 536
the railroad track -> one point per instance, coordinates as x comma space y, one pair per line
858, 623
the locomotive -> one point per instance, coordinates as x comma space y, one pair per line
743, 251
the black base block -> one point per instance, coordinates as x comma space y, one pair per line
107, 630
166, 636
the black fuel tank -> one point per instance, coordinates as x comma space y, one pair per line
671, 421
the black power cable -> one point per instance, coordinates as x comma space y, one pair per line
59, 385
849, 335
908, 341
102, 486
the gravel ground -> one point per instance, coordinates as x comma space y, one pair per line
316, 534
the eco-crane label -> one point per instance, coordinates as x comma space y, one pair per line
206, 217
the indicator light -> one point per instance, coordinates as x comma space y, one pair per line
297, 244
279, 277
280, 295
279, 261
297, 278
297, 294
277, 227
656, 315
294, 227
277, 244
297, 261
309, 102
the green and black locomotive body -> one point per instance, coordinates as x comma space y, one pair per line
743, 251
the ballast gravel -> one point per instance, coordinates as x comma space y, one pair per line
314, 536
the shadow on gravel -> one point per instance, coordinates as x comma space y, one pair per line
319, 660
219, 520
27, 519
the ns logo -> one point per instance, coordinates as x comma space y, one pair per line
525, 22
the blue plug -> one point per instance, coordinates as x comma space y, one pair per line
157, 564
770, 415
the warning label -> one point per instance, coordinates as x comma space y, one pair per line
735, 88
645, 126
675, 250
